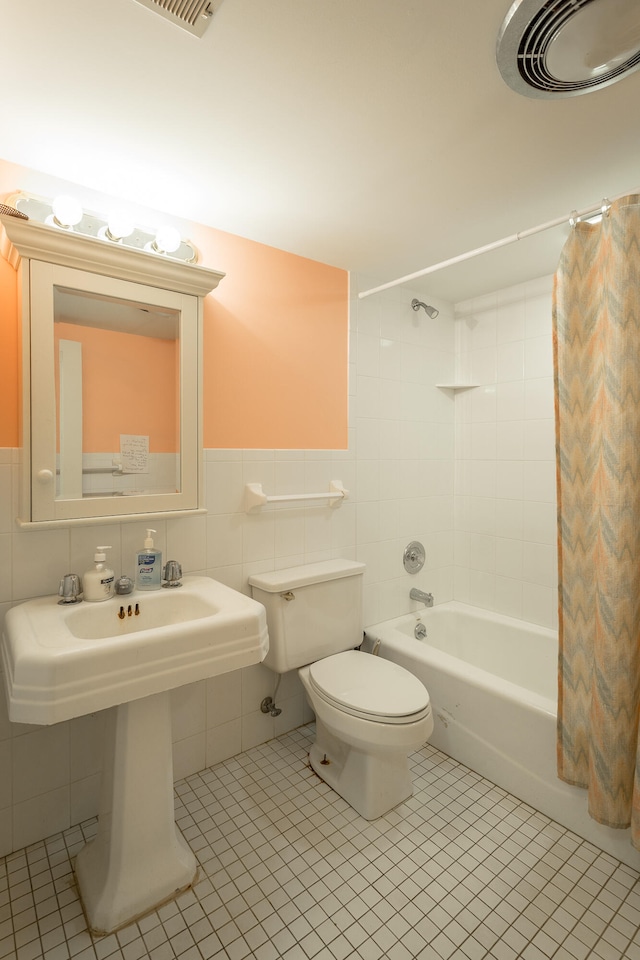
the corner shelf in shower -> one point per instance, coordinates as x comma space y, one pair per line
457, 386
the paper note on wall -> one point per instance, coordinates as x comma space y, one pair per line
134, 453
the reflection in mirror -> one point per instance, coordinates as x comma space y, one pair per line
117, 396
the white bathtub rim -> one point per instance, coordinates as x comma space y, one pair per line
391, 637
479, 613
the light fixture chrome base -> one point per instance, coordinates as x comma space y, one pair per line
94, 225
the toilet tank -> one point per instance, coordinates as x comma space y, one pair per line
313, 611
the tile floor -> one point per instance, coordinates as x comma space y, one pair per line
462, 870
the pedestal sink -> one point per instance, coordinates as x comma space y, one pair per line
125, 655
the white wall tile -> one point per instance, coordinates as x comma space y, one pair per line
538, 315
40, 762
189, 755
509, 519
187, 542
484, 440
7, 519
539, 563
40, 816
509, 554
224, 486
40, 559
223, 741
224, 539
510, 320
510, 400
390, 359
510, 480
510, 361
188, 710
538, 399
6, 780
510, 439
539, 604
507, 513
539, 481
6, 567
539, 522
538, 357
539, 439
6, 831
508, 599
368, 355
484, 365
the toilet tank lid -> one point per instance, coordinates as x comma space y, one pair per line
306, 574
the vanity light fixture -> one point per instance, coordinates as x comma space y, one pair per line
66, 213
118, 228
167, 240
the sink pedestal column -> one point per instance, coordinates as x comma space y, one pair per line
138, 858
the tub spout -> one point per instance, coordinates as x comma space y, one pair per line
426, 598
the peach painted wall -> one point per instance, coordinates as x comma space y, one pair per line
275, 349
275, 338
9, 356
117, 397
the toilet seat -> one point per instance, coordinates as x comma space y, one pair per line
370, 687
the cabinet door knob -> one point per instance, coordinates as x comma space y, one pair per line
44, 476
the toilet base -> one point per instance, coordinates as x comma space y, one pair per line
371, 783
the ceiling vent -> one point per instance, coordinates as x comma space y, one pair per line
562, 48
192, 15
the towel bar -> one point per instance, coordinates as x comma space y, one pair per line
254, 496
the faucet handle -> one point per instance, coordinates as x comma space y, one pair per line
172, 574
70, 588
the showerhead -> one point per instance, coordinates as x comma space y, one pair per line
431, 311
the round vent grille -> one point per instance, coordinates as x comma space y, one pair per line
562, 48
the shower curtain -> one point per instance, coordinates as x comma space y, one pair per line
596, 323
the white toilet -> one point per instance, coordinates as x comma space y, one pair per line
370, 713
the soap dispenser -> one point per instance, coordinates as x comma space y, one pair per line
98, 584
149, 565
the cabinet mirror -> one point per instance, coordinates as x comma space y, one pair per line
111, 370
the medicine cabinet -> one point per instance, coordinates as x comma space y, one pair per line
111, 377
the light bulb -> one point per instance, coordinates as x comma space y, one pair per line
67, 211
119, 226
167, 240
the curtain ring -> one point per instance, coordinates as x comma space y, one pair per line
606, 206
573, 219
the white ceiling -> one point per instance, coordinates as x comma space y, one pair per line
375, 136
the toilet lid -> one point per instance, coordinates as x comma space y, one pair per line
370, 687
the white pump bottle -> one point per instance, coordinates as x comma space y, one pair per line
98, 584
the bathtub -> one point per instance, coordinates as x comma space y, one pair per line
492, 681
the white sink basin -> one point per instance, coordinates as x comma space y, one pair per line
127, 653
63, 661
139, 612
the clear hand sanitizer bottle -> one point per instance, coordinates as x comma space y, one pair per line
149, 565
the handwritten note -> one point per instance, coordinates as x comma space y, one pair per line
134, 453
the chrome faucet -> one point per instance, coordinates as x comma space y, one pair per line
70, 589
172, 574
426, 598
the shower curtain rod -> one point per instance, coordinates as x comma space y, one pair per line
574, 215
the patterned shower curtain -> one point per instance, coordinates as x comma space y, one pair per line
597, 377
